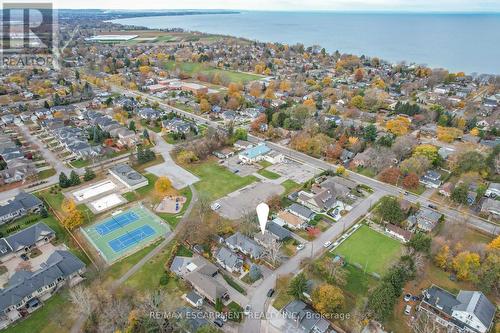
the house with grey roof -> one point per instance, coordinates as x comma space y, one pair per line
191, 320
491, 206
467, 312
301, 211
425, 219
193, 298
25, 289
244, 244
431, 179
493, 190
304, 319
25, 240
128, 176
22, 204
229, 260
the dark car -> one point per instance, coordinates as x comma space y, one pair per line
432, 206
25, 257
270, 293
219, 322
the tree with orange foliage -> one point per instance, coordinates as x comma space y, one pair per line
204, 105
255, 125
285, 85
390, 175
411, 181
334, 151
309, 103
255, 90
359, 74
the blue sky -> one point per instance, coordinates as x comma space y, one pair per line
341, 5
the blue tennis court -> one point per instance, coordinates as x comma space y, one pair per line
130, 238
115, 223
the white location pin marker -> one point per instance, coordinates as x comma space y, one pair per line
262, 214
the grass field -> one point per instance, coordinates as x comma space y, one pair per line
194, 68
46, 173
217, 181
290, 186
268, 174
374, 251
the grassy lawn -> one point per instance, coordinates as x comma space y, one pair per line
368, 172
236, 311
374, 251
173, 219
282, 297
217, 181
230, 281
23, 223
143, 191
130, 196
122, 266
194, 68
44, 319
290, 186
358, 283
268, 174
80, 163
46, 173
265, 164
55, 201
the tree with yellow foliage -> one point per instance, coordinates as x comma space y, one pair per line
285, 85
259, 68
58, 114
267, 71
327, 299
269, 93
428, 151
398, 126
68, 205
448, 134
494, 244
441, 258
73, 220
163, 186
466, 264
326, 81
204, 105
309, 103
474, 131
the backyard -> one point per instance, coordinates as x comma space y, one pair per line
370, 249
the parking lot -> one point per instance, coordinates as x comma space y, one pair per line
243, 169
298, 172
236, 204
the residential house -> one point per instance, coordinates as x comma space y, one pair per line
447, 189
304, 319
301, 212
224, 153
176, 125
426, 219
244, 244
321, 198
194, 299
493, 190
22, 204
431, 179
467, 312
491, 206
229, 260
25, 289
200, 274
398, 232
25, 240
192, 320
285, 218
149, 114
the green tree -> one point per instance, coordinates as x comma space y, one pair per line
63, 180
89, 174
298, 286
370, 133
131, 126
459, 194
74, 179
420, 242
390, 210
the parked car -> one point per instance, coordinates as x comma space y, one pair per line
432, 206
407, 297
327, 244
415, 298
300, 247
408, 310
247, 310
215, 206
270, 292
25, 257
219, 322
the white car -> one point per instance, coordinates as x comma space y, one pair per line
327, 244
246, 312
300, 247
215, 206
408, 310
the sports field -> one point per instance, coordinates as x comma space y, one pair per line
372, 250
124, 233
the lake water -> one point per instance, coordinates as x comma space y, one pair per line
458, 42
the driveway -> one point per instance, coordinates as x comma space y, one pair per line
179, 177
237, 203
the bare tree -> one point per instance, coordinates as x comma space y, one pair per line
248, 223
336, 272
83, 299
273, 252
425, 323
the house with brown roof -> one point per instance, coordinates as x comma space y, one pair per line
285, 218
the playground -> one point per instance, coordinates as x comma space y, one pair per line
171, 204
